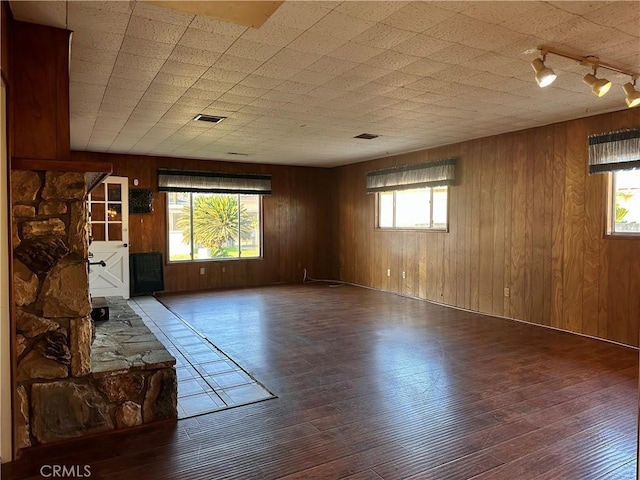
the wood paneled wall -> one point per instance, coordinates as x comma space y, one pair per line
39, 62
524, 215
297, 224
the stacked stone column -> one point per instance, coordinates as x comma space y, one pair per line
57, 394
51, 288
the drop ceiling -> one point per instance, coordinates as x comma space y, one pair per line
315, 74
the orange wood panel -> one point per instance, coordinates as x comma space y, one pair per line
518, 222
39, 91
557, 226
574, 227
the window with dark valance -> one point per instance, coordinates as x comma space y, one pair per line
432, 174
170, 180
609, 152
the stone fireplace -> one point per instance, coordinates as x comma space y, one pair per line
59, 393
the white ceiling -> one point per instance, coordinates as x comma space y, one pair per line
315, 74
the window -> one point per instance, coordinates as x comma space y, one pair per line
624, 212
418, 208
205, 226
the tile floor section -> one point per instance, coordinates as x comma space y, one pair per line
208, 380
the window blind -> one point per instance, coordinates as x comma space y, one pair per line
170, 180
432, 174
613, 151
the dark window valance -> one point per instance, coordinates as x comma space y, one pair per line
613, 151
213, 182
432, 174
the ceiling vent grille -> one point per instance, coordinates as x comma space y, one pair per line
201, 117
367, 136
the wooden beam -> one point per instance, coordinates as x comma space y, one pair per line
60, 165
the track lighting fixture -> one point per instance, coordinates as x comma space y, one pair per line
599, 86
545, 76
633, 96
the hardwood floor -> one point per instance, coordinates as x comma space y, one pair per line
372, 385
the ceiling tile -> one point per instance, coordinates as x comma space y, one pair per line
301, 15
312, 78
346, 82
336, 24
165, 15
272, 34
99, 41
219, 74
103, 57
294, 87
383, 36
316, 43
288, 57
145, 64
417, 17
398, 79
120, 83
333, 66
146, 48
498, 12
370, 10
53, 14
257, 81
392, 60
133, 74
424, 67
355, 52
203, 40
538, 18
251, 50
194, 56
421, 45
181, 68
273, 70
237, 64
153, 30
81, 15
89, 72
212, 25
174, 80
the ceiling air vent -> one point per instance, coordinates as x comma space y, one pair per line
201, 117
367, 136
239, 154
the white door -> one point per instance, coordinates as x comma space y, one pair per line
109, 249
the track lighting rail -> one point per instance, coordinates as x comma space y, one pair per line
587, 61
545, 76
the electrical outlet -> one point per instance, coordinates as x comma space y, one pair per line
201, 270
507, 292
224, 269
388, 272
404, 274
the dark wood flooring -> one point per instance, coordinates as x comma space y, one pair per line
372, 385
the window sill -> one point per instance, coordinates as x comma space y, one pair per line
426, 230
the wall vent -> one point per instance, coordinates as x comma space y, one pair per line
367, 136
201, 117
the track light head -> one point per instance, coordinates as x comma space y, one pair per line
599, 86
544, 75
633, 96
